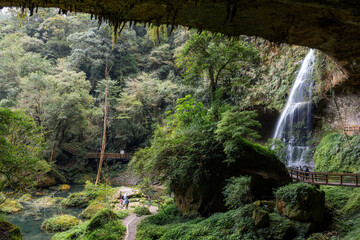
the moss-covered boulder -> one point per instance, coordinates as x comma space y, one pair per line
206, 197
11, 206
261, 218
92, 210
9, 231
59, 223
79, 199
105, 225
46, 202
301, 202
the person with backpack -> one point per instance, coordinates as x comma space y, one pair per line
126, 202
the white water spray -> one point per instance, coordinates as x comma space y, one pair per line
294, 125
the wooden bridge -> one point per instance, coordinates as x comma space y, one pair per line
321, 178
352, 130
75, 151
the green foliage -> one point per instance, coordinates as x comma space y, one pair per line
140, 211
21, 150
234, 224
191, 131
59, 223
294, 193
216, 58
234, 126
105, 225
237, 191
334, 155
278, 148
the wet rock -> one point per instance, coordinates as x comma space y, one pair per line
9, 231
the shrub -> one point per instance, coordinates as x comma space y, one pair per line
140, 211
122, 214
237, 191
59, 223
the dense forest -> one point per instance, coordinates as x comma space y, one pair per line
197, 110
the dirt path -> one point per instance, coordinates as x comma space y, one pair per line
131, 222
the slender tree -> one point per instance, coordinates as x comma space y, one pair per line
104, 132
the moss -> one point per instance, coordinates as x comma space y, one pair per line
92, 209
9, 231
59, 223
64, 188
25, 198
337, 196
73, 233
80, 199
11, 206
105, 225
140, 211
334, 155
301, 202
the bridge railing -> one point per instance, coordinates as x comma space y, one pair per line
321, 178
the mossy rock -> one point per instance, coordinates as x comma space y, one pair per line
64, 188
105, 225
265, 205
261, 218
280, 227
75, 232
318, 236
80, 200
302, 202
92, 209
59, 223
11, 206
9, 231
141, 211
25, 198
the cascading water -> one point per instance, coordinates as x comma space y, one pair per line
294, 125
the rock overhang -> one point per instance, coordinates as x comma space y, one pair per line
331, 26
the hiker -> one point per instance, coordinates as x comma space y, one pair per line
306, 172
149, 201
126, 201
121, 203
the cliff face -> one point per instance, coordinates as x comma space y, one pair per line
331, 26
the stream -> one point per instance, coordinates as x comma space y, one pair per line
30, 219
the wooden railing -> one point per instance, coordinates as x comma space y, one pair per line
111, 155
351, 129
321, 178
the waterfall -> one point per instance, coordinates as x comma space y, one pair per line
294, 125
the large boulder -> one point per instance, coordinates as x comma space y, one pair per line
9, 231
302, 202
206, 197
59, 223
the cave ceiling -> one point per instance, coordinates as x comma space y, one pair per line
332, 26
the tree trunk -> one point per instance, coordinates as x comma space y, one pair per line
104, 132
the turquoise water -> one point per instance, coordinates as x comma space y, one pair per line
30, 223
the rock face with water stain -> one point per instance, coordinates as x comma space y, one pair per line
332, 26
